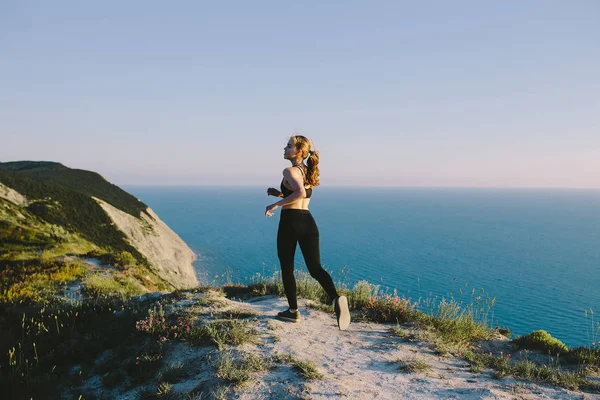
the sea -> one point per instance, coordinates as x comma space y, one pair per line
534, 252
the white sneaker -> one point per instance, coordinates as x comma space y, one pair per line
342, 312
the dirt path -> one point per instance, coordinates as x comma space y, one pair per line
363, 362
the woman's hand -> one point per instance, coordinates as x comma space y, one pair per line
270, 209
273, 192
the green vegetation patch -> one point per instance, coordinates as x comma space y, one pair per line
42, 344
416, 365
62, 197
97, 285
527, 369
306, 368
240, 369
37, 281
541, 340
33, 179
585, 356
174, 373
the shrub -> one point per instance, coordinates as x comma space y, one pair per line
388, 309
541, 340
361, 293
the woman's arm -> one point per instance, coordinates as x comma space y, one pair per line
296, 181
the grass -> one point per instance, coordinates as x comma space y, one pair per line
306, 368
398, 332
100, 285
162, 391
173, 373
116, 284
443, 349
259, 285
527, 369
412, 366
235, 314
220, 393
241, 368
361, 294
233, 332
187, 328
76, 246
453, 328
453, 323
588, 356
40, 277
48, 338
32, 282
43, 343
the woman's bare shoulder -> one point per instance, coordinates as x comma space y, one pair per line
291, 170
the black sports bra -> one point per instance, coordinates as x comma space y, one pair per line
286, 192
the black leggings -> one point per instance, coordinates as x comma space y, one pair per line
298, 226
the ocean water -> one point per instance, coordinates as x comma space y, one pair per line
536, 251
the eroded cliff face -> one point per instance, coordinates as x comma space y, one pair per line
158, 243
170, 255
13, 196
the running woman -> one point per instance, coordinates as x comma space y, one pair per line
297, 225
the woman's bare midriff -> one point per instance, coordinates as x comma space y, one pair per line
301, 204
297, 205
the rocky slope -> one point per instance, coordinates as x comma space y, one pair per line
158, 243
13, 196
85, 204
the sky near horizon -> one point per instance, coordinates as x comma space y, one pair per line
393, 93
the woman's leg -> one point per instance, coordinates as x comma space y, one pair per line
286, 248
309, 244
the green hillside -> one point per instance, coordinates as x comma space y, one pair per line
41, 179
63, 196
61, 220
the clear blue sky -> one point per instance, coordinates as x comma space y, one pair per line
394, 93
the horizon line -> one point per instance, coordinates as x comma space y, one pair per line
376, 186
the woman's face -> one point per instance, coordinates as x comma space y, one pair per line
289, 151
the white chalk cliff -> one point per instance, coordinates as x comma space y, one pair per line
13, 196
166, 251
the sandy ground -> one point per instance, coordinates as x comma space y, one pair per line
360, 363
363, 363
